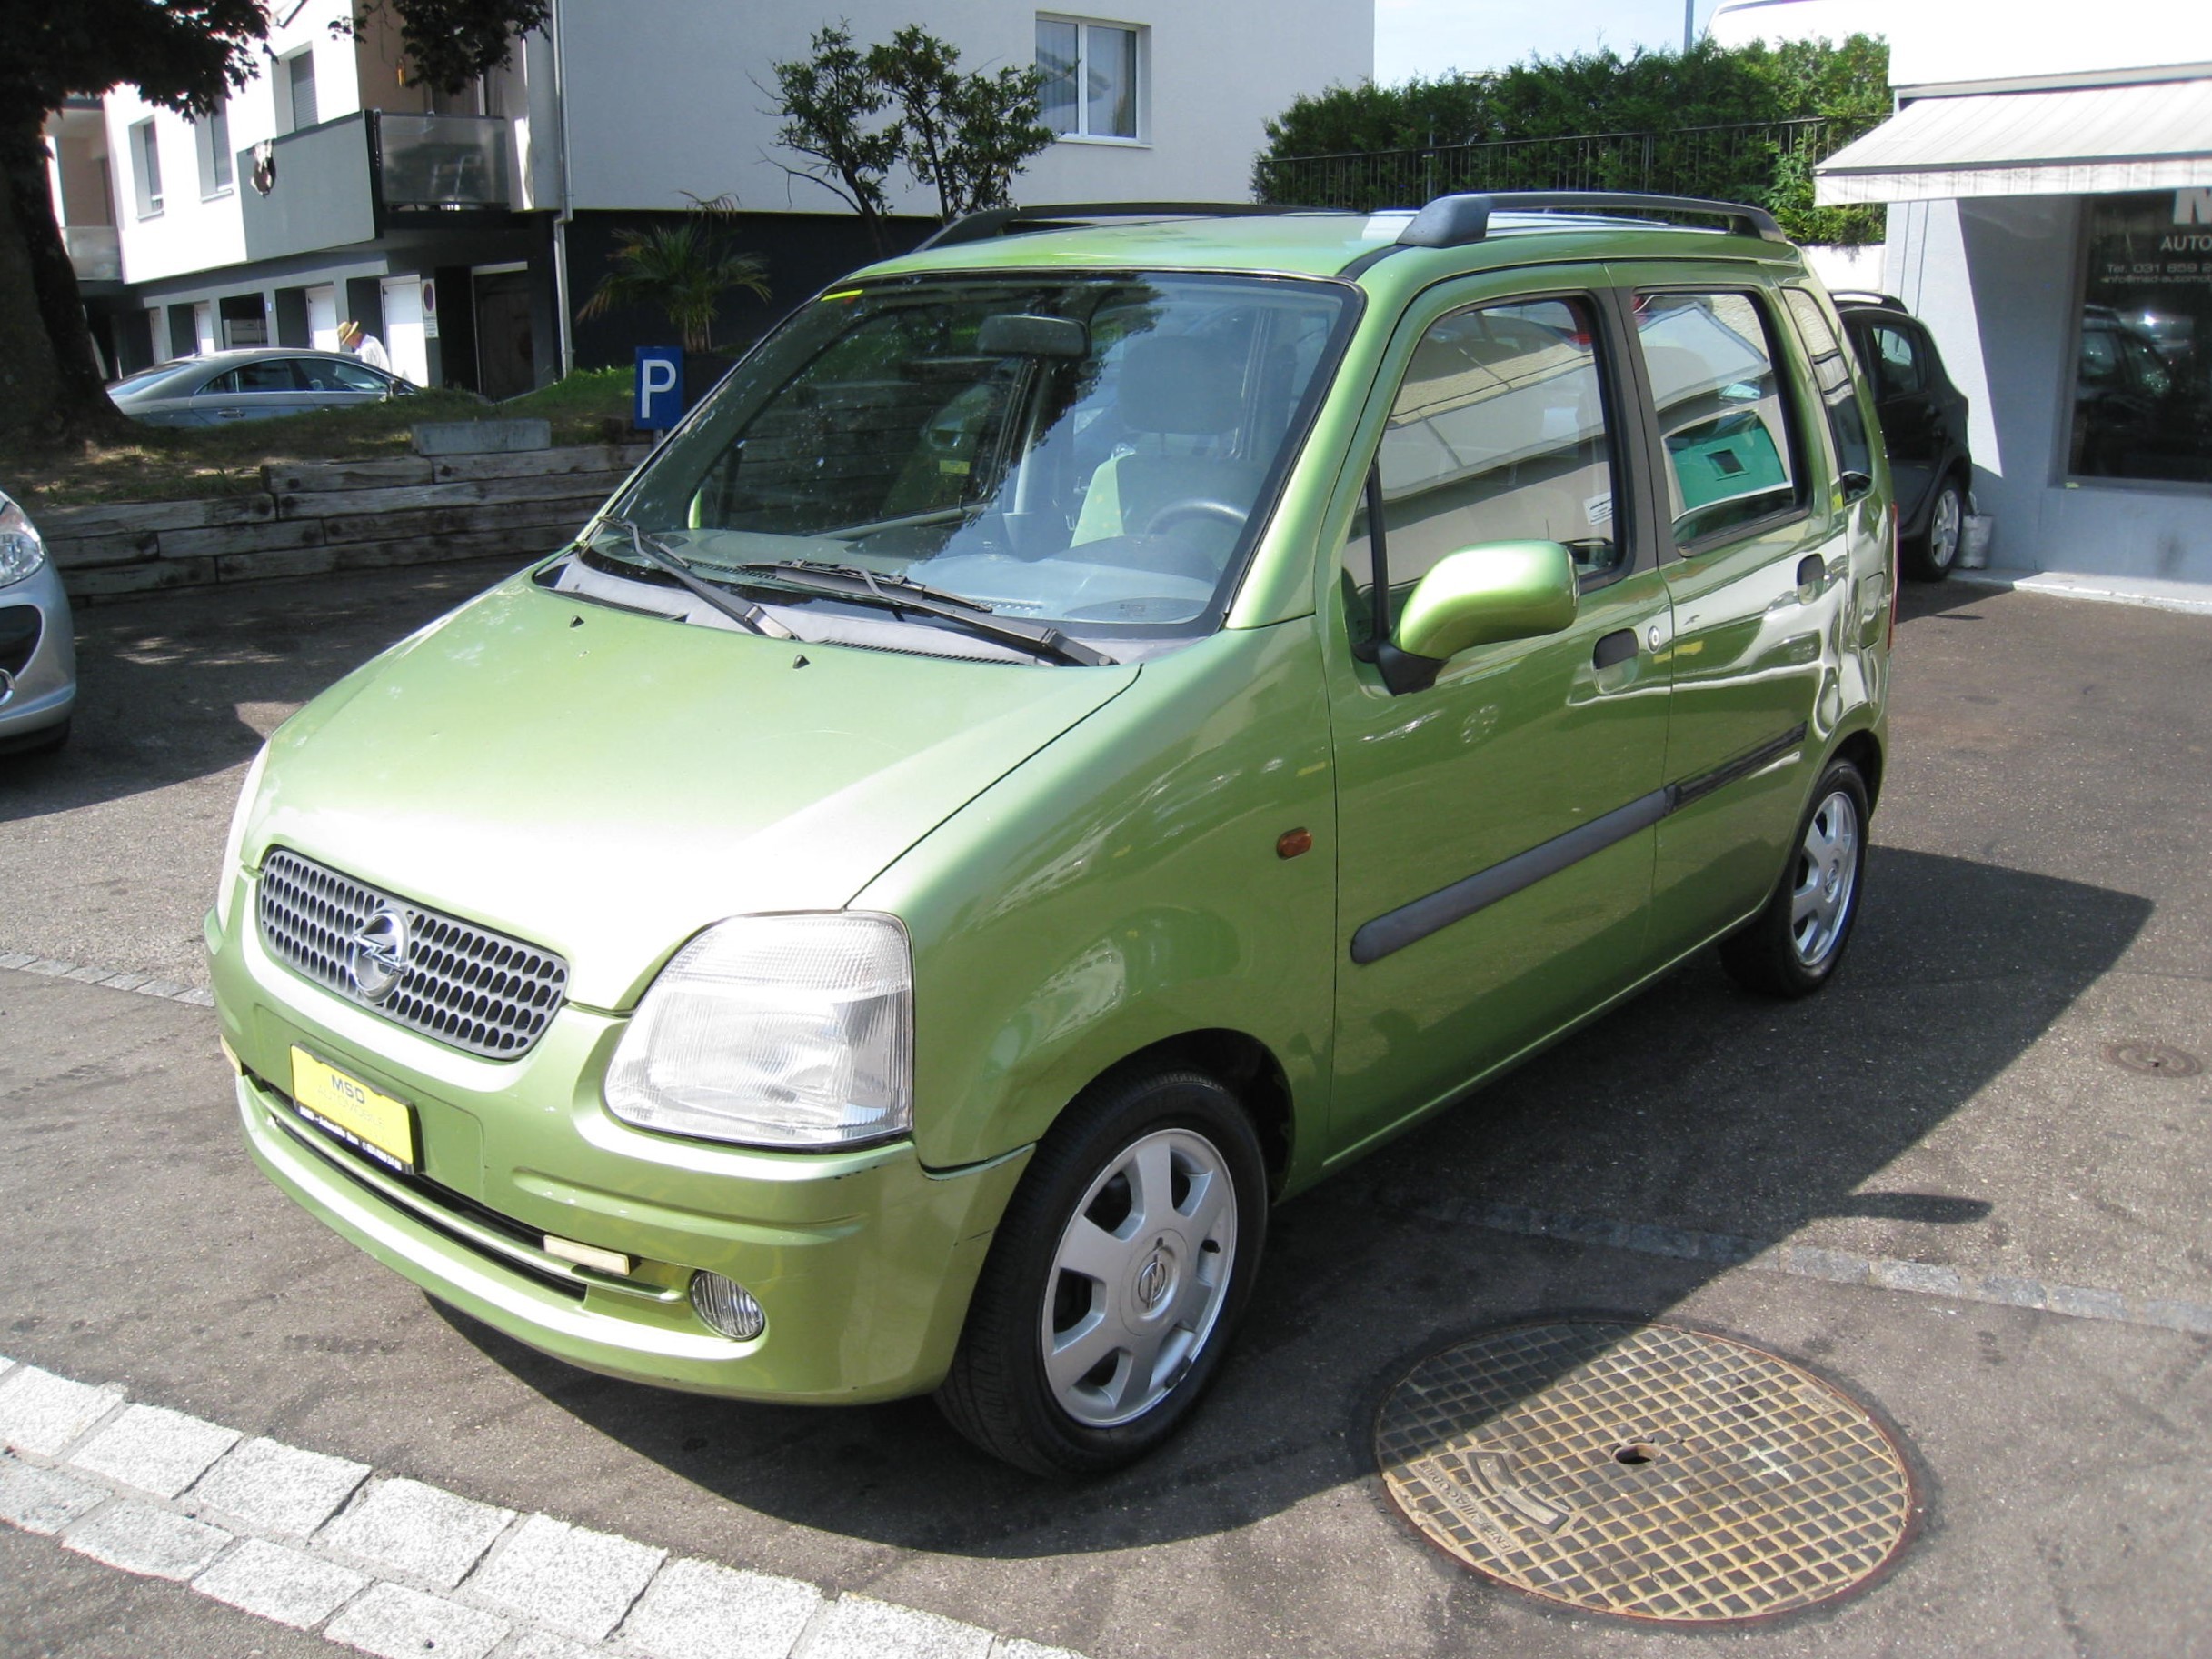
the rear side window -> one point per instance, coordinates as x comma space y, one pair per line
1722, 415
1896, 361
1499, 433
1832, 375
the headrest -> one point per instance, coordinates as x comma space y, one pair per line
1172, 382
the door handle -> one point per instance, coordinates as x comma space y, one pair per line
1618, 646
1812, 570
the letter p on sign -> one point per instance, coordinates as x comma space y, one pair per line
659, 403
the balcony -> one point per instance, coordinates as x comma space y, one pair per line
345, 182
95, 252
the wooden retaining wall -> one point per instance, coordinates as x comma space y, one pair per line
321, 515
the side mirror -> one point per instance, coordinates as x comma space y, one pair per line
1480, 595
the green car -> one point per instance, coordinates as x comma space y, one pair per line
1094, 725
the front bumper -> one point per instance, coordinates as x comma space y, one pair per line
862, 1261
38, 657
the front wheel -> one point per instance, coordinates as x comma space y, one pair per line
1929, 557
1118, 1273
1793, 945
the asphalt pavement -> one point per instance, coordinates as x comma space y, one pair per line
1949, 1115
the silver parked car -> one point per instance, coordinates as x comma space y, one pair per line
38, 659
247, 385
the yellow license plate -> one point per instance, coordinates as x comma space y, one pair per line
374, 1123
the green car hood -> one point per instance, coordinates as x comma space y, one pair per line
605, 783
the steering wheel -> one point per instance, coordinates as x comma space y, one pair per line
1193, 506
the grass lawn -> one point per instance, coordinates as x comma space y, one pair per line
171, 464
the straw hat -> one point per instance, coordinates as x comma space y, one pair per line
349, 331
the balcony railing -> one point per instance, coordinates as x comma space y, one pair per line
437, 163
95, 251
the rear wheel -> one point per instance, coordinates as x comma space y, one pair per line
1117, 1274
1793, 945
1929, 557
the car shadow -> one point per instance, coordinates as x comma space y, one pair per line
1695, 1106
179, 686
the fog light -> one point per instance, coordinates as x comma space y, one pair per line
729, 1307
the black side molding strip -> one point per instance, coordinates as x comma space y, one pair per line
1395, 929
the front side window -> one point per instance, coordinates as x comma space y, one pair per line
212, 134
2143, 371
1093, 453
1833, 374
324, 375
1090, 72
1499, 433
1721, 413
273, 374
146, 163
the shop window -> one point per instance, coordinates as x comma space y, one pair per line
2143, 364
1089, 72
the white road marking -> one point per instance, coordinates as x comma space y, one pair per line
399, 1569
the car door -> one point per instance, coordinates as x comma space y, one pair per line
333, 383
1905, 401
256, 390
1495, 846
1755, 562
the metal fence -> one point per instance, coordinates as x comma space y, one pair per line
1750, 162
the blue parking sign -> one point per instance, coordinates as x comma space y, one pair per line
659, 402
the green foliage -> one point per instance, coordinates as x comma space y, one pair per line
1595, 121
681, 270
450, 43
852, 114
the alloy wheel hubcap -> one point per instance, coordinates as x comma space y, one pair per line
1826, 879
1943, 535
1139, 1277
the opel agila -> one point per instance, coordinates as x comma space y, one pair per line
1094, 725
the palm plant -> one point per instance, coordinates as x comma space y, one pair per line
682, 270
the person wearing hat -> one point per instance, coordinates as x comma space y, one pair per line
367, 347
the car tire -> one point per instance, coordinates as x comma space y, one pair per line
1116, 1277
1793, 946
1933, 555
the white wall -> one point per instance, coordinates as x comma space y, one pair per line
1938, 41
1995, 281
665, 95
193, 233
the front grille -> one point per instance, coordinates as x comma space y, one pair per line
462, 984
20, 627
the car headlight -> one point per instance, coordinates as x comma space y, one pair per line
22, 551
234, 845
790, 1031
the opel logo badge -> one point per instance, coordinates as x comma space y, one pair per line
1152, 1281
377, 954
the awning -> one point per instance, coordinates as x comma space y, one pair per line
2083, 141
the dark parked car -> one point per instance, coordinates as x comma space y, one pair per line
1924, 428
249, 385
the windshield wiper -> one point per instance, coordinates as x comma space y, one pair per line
747, 616
904, 594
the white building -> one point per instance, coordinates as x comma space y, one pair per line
2049, 176
328, 188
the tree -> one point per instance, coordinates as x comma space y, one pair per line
682, 270
960, 135
826, 102
181, 54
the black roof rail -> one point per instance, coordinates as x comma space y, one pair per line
1010, 221
1454, 221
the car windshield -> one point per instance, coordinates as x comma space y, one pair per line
1093, 453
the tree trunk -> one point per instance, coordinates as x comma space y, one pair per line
50, 384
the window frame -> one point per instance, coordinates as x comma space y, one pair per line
1140, 98
1795, 421
218, 165
1859, 383
146, 168
289, 63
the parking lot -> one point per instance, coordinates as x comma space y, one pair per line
1946, 1184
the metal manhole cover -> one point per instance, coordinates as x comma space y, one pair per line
1643, 1470
2153, 1059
